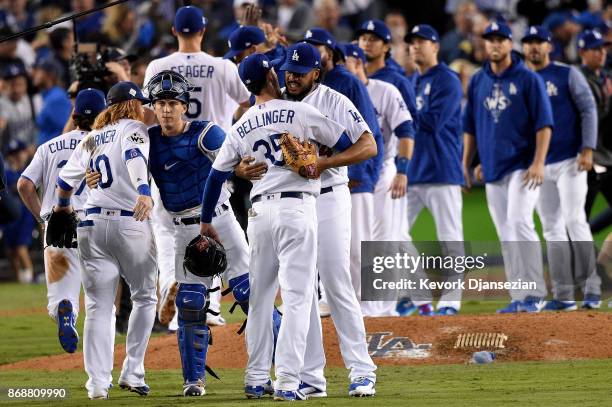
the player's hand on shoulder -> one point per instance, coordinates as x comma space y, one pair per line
250, 170
207, 229
585, 160
92, 178
534, 176
143, 207
398, 186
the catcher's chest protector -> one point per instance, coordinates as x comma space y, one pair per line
179, 167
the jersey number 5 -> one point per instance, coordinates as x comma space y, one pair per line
195, 106
268, 147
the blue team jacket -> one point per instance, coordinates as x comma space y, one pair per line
438, 142
504, 112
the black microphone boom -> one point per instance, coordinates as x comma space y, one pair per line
61, 20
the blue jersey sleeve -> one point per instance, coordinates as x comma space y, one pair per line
404, 130
212, 191
539, 103
211, 138
445, 98
469, 125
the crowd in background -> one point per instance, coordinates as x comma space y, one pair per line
36, 82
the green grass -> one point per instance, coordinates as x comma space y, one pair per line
477, 223
584, 383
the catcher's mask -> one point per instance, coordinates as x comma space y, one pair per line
168, 85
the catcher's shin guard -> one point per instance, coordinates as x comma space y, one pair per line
193, 334
241, 290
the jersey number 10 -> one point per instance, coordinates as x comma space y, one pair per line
106, 177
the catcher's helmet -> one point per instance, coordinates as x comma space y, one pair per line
168, 85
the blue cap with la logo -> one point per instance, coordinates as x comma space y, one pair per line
376, 27
302, 58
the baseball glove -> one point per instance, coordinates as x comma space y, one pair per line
204, 257
300, 157
61, 229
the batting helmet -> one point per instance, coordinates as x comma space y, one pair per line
168, 85
204, 257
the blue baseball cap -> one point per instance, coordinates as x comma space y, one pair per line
376, 27
302, 58
13, 70
254, 68
189, 20
123, 91
538, 33
558, 18
353, 50
89, 102
242, 38
590, 39
320, 36
497, 29
424, 31
14, 146
50, 65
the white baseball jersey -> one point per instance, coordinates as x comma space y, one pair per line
390, 110
46, 165
257, 134
217, 88
340, 109
107, 150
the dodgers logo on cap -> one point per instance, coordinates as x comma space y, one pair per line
295, 56
371, 25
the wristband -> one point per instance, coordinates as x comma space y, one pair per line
144, 189
402, 163
63, 202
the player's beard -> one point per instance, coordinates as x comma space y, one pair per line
302, 94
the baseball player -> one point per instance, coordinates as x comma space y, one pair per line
563, 192
508, 116
363, 176
215, 95
115, 237
302, 69
62, 268
435, 171
282, 223
396, 127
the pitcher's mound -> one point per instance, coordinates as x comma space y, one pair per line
409, 340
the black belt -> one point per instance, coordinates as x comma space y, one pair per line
98, 210
289, 194
194, 220
326, 190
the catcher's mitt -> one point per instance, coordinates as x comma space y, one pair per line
204, 257
61, 229
300, 157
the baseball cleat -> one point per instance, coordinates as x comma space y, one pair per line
67, 333
556, 305
168, 306
447, 311
362, 387
405, 307
142, 390
256, 392
426, 310
289, 395
311, 391
591, 301
98, 394
531, 305
194, 389
511, 308
215, 320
